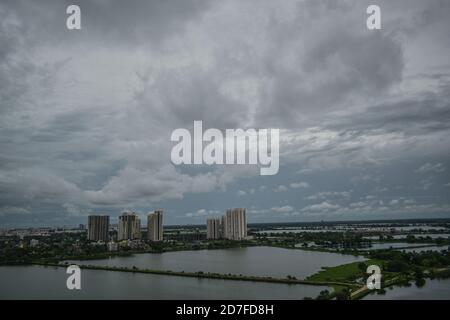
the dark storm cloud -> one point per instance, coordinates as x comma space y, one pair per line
346, 66
106, 21
427, 113
338, 62
177, 98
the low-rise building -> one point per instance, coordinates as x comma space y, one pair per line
112, 246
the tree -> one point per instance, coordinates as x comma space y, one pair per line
418, 273
410, 238
344, 294
397, 265
420, 282
362, 266
324, 295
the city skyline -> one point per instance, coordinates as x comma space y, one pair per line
231, 226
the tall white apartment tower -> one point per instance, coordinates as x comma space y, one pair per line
155, 226
214, 228
129, 227
235, 224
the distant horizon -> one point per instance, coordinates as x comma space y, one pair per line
361, 115
404, 220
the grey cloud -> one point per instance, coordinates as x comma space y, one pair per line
297, 185
132, 185
284, 209
281, 188
336, 63
330, 195
418, 115
106, 21
178, 97
202, 213
13, 211
34, 184
86, 117
431, 168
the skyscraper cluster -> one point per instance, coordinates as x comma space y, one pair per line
231, 226
129, 227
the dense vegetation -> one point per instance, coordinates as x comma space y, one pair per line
60, 247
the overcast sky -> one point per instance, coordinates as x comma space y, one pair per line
86, 115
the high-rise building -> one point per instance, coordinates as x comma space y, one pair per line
214, 228
98, 228
232, 225
155, 226
235, 224
129, 227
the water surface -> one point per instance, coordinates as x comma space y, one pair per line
37, 282
258, 261
433, 290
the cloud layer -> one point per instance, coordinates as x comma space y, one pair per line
86, 116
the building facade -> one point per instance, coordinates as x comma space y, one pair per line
195, 236
129, 227
235, 224
155, 226
214, 228
98, 228
231, 226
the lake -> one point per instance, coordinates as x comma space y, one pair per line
257, 261
433, 290
38, 282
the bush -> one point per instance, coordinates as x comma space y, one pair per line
343, 295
